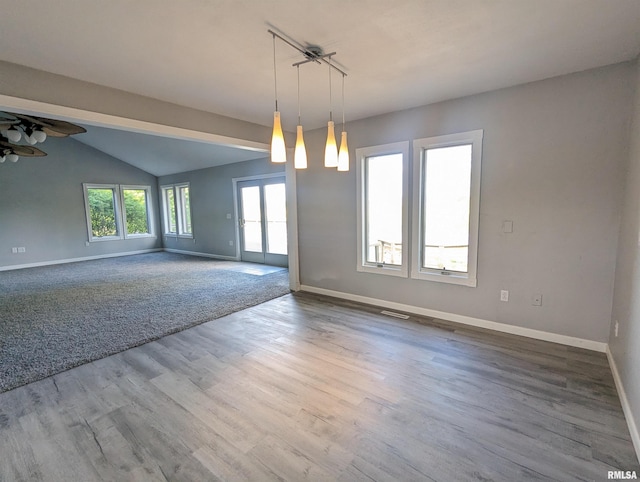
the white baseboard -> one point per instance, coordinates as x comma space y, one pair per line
202, 255
626, 407
75, 260
466, 320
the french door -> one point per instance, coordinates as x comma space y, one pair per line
262, 214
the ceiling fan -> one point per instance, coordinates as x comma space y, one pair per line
32, 129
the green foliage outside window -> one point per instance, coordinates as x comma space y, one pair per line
102, 210
135, 207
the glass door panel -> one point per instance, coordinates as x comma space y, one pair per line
263, 221
251, 219
276, 216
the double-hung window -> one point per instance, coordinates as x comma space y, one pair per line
176, 208
446, 207
117, 212
382, 209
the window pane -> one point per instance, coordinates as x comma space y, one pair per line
383, 211
135, 207
169, 210
447, 195
185, 210
251, 219
276, 214
102, 212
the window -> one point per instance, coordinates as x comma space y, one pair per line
176, 206
117, 212
101, 205
137, 211
169, 208
382, 209
446, 190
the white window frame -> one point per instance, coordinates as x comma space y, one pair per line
361, 155
116, 207
179, 211
419, 147
120, 214
150, 218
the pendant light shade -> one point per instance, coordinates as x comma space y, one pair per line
278, 150
331, 149
343, 156
300, 154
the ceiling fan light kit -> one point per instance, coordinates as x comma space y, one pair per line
15, 127
332, 158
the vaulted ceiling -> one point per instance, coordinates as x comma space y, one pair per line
217, 56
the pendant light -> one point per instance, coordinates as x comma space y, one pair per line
300, 155
278, 150
331, 149
343, 155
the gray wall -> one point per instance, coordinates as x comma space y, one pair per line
42, 203
625, 348
553, 159
211, 192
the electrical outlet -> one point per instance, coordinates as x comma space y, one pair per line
504, 295
615, 329
230, 243
228, 215
537, 300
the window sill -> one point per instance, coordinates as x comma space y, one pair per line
393, 270
136, 236
106, 238
451, 278
174, 235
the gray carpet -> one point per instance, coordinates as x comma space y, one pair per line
56, 317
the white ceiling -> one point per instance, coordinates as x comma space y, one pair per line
216, 55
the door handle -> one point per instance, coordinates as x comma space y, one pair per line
241, 222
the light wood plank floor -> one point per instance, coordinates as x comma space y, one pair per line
311, 388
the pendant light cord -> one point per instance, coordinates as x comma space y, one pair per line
298, 94
343, 103
275, 72
330, 103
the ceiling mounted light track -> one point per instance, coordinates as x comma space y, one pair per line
333, 157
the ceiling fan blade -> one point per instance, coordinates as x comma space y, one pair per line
52, 133
53, 127
22, 151
6, 123
62, 127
